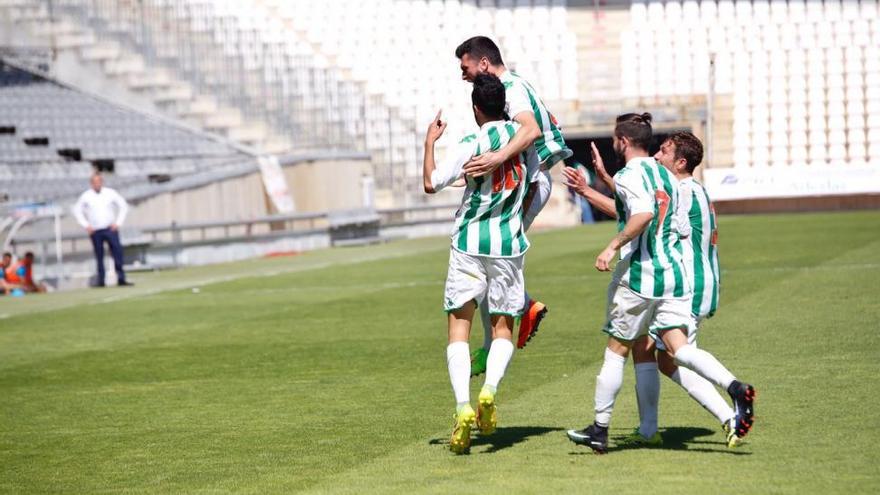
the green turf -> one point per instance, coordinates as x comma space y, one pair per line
325, 372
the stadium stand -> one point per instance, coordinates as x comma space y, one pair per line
797, 82
276, 75
52, 138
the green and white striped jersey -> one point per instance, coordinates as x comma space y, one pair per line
651, 264
700, 250
521, 97
489, 221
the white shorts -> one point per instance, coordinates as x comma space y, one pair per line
542, 195
631, 315
497, 282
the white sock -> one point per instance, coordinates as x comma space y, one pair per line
648, 396
487, 325
497, 361
458, 360
608, 384
704, 364
704, 393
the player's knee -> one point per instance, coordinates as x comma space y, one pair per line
666, 364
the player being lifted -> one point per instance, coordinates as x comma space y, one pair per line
681, 153
649, 292
486, 256
538, 127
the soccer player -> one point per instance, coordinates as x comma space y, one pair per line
486, 255
681, 153
538, 128
649, 292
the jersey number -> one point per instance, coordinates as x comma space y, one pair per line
507, 176
662, 205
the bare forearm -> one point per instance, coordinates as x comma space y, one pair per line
523, 138
600, 201
428, 167
635, 226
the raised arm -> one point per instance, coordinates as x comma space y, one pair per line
599, 166
575, 179
429, 166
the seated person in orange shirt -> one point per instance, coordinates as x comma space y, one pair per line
5, 262
20, 275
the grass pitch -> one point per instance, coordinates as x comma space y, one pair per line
325, 373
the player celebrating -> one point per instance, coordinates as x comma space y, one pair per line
681, 153
538, 127
486, 256
649, 292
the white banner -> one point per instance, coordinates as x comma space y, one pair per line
791, 182
276, 184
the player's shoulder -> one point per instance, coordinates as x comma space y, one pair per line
468, 138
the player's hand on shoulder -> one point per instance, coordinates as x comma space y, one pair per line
435, 128
484, 164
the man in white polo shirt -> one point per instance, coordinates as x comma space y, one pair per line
101, 211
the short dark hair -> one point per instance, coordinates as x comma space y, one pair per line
479, 47
687, 146
488, 95
7, 254
29, 254
635, 127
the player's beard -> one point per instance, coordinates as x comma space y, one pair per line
618, 152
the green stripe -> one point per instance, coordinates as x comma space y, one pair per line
507, 208
713, 255
471, 212
652, 236
466, 219
696, 219
485, 246
494, 139
668, 237
485, 240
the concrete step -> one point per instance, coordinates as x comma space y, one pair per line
103, 50
177, 92
74, 41
223, 119
148, 79
198, 108
249, 132
124, 65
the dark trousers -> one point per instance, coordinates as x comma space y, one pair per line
99, 237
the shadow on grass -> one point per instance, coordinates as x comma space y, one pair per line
503, 437
674, 438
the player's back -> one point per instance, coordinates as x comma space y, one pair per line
651, 264
489, 222
700, 250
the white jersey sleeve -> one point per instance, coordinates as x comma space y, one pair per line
682, 213
450, 169
518, 100
632, 190
533, 164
